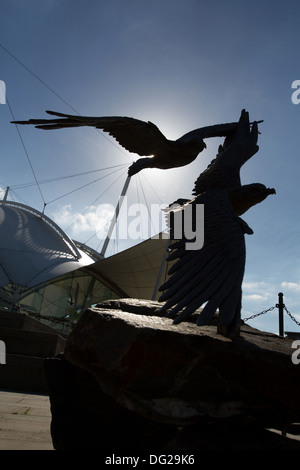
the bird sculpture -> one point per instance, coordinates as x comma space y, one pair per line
142, 138
213, 274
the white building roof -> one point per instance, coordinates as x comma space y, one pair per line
136, 272
33, 249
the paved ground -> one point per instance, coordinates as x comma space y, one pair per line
24, 421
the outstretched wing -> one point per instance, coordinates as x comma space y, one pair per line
217, 130
212, 274
143, 138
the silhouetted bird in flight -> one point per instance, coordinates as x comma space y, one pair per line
142, 138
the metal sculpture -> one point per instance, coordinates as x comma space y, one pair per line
214, 274
142, 138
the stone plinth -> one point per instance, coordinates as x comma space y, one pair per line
179, 374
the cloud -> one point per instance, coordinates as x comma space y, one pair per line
136, 221
249, 286
258, 294
256, 297
294, 286
94, 219
257, 290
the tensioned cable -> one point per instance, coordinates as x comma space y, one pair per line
71, 107
138, 198
157, 195
94, 203
83, 186
17, 197
58, 96
39, 79
25, 150
145, 199
49, 303
59, 178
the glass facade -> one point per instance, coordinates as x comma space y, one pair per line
61, 302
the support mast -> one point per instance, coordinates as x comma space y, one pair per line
115, 217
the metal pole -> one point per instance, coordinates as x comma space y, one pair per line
115, 217
5, 195
280, 307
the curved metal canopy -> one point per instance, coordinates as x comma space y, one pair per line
33, 249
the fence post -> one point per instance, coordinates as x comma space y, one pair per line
280, 307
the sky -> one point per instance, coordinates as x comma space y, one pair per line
181, 64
